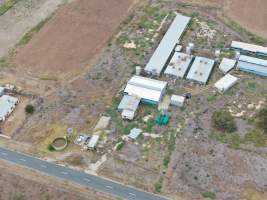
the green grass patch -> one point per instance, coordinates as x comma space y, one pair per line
211, 98
252, 86
158, 185
209, 194
232, 139
6, 6
29, 35
256, 137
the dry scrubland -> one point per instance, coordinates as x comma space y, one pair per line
74, 77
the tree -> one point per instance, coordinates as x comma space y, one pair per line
29, 109
223, 121
261, 119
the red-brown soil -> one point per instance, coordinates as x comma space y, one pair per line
250, 14
73, 38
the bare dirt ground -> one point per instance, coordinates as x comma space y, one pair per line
23, 184
22, 17
249, 14
73, 38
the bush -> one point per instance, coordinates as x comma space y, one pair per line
29, 109
262, 119
223, 121
50, 147
208, 194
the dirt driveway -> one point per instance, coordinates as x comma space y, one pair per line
72, 38
22, 17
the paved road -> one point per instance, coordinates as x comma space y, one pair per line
95, 182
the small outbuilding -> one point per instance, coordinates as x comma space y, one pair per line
227, 65
128, 106
225, 83
135, 133
93, 142
177, 100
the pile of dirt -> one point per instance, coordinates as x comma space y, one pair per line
73, 38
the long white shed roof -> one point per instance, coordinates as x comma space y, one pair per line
145, 88
201, 69
249, 47
167, 44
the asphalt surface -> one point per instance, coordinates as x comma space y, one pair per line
91, 181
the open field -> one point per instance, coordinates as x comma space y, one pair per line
73, 38
21, 18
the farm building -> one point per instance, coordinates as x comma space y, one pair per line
148, 90
249, 48
177, 100
161, 55
128, 106
252, 65
225, 83
7, 105
134, 133
93, 142
227, 65
179, 65
200, 70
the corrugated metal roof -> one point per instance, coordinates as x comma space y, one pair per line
145, 88
7, 104
179, 65
129, 103
177, 98
167, 44
135, 132
252, 65
227, 64
200, 70
253, 60
93, 141
225, 82
249, 47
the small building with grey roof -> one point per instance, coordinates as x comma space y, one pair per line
128, 106
179, 65
200, 70
227, 65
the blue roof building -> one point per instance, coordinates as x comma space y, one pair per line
252, 65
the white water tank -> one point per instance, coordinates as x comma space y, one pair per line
138, 70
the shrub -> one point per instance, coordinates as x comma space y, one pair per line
50, 147
29, 109
208, 194
223, 121
262, 119
120, 145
